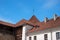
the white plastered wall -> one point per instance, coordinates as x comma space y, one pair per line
24, 31
40, 35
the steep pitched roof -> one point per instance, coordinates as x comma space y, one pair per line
34, 19
50, 24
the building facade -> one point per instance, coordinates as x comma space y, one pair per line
32, 29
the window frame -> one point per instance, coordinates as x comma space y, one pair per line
30, 38
35, 37
57, 35
45, 36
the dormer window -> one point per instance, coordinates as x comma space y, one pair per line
37, 26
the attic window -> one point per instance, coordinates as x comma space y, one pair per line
37, 26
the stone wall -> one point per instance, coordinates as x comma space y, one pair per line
6, 37
19, 33
6, 33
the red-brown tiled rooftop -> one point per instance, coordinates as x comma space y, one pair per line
34, 21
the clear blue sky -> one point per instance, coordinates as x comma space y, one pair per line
15, 10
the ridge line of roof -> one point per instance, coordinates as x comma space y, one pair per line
19, 23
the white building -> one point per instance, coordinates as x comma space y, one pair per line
31, 29
47, 30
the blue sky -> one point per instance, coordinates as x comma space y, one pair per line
13, 11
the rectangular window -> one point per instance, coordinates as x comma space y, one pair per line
29, 38
35, 38
58, 35
45, 37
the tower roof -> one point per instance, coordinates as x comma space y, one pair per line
34, 19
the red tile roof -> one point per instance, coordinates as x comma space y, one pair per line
34, 21
7, 24
50, 24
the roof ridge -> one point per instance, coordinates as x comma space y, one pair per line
33, 20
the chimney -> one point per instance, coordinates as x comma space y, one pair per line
55, 17
46, 19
